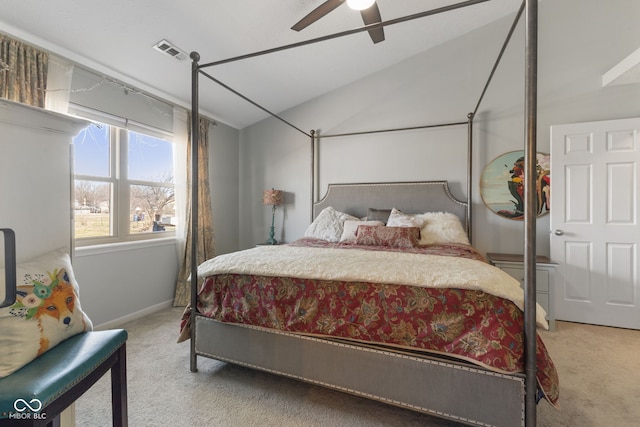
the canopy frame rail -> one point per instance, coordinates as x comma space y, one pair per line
255, 104
530, 9
369, 27
499, 58
315, 136
200, 67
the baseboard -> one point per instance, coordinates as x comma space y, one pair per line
117, 323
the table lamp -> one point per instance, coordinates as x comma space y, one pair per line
273, 198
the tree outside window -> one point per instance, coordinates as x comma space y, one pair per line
124, 186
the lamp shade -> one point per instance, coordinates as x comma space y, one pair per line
272, 197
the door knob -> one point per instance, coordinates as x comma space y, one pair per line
558, 232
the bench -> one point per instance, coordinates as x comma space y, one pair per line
36, 394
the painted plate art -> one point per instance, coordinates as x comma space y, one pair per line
502, 185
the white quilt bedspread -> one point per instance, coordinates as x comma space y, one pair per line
371, 266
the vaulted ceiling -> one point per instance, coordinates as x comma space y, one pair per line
116, 38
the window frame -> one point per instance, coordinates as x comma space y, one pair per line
120, 192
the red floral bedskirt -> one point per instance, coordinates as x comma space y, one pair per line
467, 324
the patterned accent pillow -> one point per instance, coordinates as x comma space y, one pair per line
395, 237
350, 229
328, 225
46, 312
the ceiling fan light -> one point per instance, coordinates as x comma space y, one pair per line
360, 4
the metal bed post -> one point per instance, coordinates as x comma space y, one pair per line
530, 214
470, 116
195, 136
313, 170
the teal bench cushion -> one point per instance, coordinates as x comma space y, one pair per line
56, 371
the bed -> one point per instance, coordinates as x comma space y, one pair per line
410, 352
356, 316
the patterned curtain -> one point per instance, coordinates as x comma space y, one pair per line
23, 72
205, 244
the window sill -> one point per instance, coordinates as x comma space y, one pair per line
82, 251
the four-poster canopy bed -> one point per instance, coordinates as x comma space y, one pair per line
422, 324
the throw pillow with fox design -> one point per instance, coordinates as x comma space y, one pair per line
46, 312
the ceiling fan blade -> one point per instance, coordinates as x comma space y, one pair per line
372, 16
316, 14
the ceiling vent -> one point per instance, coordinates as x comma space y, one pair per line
171, 50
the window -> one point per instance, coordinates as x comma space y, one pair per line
124, 186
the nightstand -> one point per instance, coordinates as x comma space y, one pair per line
513, 264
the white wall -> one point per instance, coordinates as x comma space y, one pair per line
35, 195
125, 281
579, 41
225, 186
272, 156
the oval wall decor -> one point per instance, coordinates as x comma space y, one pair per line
502, 185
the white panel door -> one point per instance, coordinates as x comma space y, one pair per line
595, 234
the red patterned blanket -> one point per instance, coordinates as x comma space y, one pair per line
468, 324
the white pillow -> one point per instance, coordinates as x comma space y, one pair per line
399, 219
350, 228
328, 225
442, 227
435, 227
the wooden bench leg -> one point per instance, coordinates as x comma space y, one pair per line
119, 389
54, 422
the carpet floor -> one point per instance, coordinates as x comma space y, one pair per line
598, 369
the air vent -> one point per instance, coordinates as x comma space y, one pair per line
171, 50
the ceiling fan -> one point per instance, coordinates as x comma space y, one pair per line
370, 15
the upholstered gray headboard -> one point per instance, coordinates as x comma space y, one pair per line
409, 197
